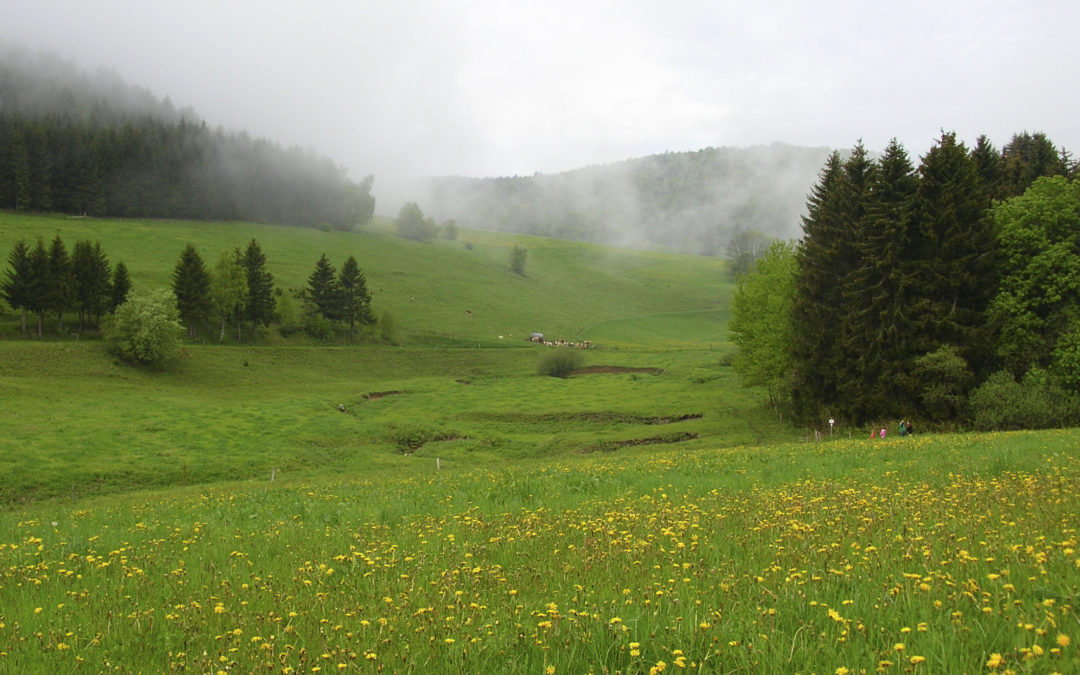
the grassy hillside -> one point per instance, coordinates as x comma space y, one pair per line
79, 423
428, 287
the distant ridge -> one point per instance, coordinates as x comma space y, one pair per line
688, 202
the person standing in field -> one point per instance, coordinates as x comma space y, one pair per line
903, 428
882, 432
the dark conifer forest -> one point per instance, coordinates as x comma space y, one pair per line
80, 143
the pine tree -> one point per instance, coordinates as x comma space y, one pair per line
38, 287
120, 286
259, 307
17, 283
191, 286
61, 281
816, 308
356, 299
90, 269
956, 255
324, 291
880, 292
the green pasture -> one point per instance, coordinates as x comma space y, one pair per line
931, 554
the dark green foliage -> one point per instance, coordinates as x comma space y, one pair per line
229, 291
65, 147
822, 259
17, 285
355, 297
944, 380
120, 287
1027, 157
60, 281
191, 286
323, 293
518, 256
1035, 402
259, 305
91, 271
560, 362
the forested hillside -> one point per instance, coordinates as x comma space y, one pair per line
690, 202
78, 143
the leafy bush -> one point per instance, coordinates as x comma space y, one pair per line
944, 379
1036, 402
319, 327
147, 329
560, 362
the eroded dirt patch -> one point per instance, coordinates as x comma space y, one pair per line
611, 446
376, 395
590, 370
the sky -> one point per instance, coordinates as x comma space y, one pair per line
404, 89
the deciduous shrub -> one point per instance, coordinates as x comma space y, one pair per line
146, 329
1036, 402
560, 362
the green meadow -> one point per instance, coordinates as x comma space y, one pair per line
466, 514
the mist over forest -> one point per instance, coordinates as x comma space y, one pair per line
76, 142
689, 202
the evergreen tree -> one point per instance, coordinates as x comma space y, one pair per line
956, 255
991, 169
38, 286
324, 293
824, 257
880, 292
16, 286
120, 286
259, 308
1027, 157
191, 286
356, 299
61, 281
91, 272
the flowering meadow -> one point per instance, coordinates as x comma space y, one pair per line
929, 554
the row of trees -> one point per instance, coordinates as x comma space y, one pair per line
911, 287
42, 281
72, 144
240, 290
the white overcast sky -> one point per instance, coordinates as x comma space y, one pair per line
403, 88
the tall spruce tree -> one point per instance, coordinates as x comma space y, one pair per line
61, 281
120, 286
17, 284
323, 292
956, 255
356, 299
91, 270
191, 286
38, 288
817, 306
259, 308
880, 293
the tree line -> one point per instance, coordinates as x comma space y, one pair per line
42, 281
238, 292
944, 293
73, 144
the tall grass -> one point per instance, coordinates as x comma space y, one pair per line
946, 554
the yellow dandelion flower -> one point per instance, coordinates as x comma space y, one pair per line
842, 671
899, 646
916, 660
1063, 640
550, 670
994, 661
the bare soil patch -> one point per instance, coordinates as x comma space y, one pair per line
590, 370
376, 395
